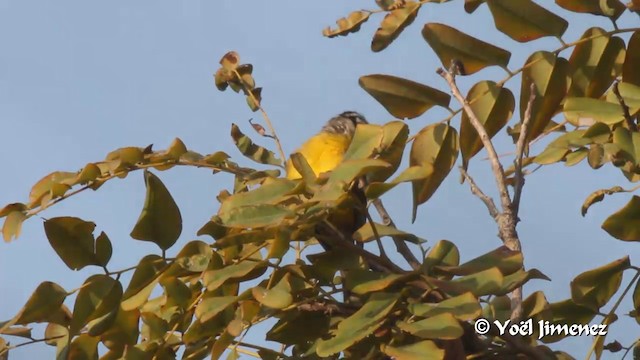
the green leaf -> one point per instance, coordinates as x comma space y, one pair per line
403, 98
299, 327
217, 158
524, 20
58, 336
84, 347
366, 233
630, 93
434, 146
278, 297
124, 330
13, 225
507, 261
534, 304
592, 63
625, 223
493, 106
594, 288
46, 186
98, 296
252, 151
359, 325
72, 239
559, 147
576, 157
271, 192
444, 253
194, 256
214, 278
471, 5
499, 308
463, 307
347, 25
345, 174
45, 301
393, 24
482, 283
377, 189
255, 216
423, 350
9, 208
365, 142
364, 281
21, 331
519, 278
221, 344
390, 149
144, 280
210, 306
245, 237
567, 312
301, 165
451, 44
598, 196
630, 70
550, 75
579, 110
104, 250
613, 9
160, 221
598, 133
443, 327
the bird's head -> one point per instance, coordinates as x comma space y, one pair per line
345, 123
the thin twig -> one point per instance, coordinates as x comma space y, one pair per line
520, 149
32, 341
488, 202
376, 235
401, 245
625, 109
264, 115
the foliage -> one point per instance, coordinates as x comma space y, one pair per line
350, 302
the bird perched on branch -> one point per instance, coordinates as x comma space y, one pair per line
323, 152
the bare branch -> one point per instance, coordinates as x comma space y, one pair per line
491, 206
506, 220
401, 245
496, 166
376, 235
520, 149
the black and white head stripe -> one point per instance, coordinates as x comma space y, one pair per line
345, 123
354, 116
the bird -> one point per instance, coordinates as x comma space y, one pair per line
323, 152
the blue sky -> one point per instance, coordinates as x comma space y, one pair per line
79, 79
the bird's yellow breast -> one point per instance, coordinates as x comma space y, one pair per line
323, 152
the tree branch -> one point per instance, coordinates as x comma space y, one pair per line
491, 206
506, 220
401, 245
496, 166
520, 149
